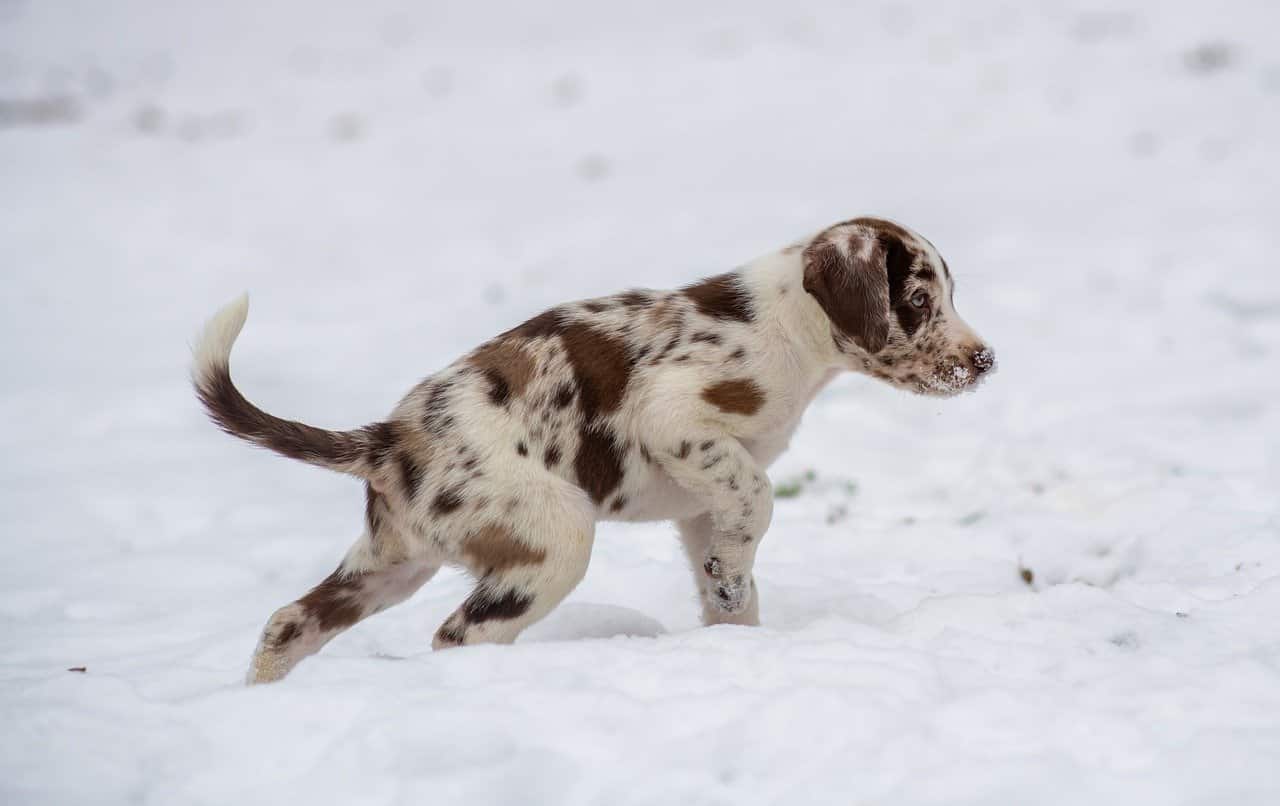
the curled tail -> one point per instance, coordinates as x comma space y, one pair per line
357, 452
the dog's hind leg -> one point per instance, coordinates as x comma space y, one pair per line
377, 573
342, 599
525, 567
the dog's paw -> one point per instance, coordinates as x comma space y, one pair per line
726, 592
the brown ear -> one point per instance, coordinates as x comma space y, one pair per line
845, 272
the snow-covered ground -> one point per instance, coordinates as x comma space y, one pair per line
1062, 589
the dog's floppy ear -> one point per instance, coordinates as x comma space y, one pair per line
845, 271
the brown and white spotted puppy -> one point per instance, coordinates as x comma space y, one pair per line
647, 405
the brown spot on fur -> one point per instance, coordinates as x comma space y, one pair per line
488, 605
738, 354
635, 298
551, 457
737, 396
335, 602
722, 297
447, 501
494, 548
685, 447
618, 504
672, 344
709, 338
507, 366
601, 365
288, 632
411, 474
522, 449
499, 389
564, 396
382, 440
435, 411
598, 464
374, 509
451, 633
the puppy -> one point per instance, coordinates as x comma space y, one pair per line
646, 405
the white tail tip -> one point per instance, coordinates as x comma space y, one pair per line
213, 348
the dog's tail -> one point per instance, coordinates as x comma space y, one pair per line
358, 452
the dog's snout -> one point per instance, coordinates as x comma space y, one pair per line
983, 360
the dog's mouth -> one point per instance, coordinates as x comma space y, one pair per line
953, 376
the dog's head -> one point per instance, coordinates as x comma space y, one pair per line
889, 296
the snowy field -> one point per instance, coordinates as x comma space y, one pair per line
1062, 589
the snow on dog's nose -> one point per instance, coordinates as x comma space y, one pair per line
955, 374
983, 360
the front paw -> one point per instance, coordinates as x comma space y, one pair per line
726, 592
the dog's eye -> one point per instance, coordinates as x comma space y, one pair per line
919, 299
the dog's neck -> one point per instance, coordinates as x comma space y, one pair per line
797, 320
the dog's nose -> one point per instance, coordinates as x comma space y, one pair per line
983, 360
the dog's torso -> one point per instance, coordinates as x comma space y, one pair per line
597, 393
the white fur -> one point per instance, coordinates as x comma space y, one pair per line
213, 347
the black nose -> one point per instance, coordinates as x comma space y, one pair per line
983, 360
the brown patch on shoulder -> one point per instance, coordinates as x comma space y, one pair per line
335, 602
507, 366
722, 297
495, 548
736, 396
601, 365
598, 464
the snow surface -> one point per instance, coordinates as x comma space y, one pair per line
1062, 589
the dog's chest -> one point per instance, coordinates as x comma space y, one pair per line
650, 494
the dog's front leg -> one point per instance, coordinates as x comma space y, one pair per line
718, 470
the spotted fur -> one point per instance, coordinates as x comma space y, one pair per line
645, 405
